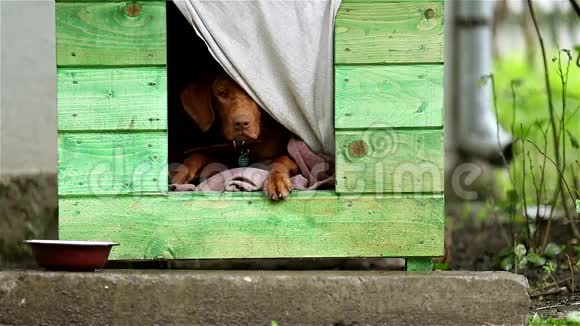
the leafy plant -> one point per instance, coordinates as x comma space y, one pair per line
544, 173
520, 258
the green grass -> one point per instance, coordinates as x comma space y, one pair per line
531, 111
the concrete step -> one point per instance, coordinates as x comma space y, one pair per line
259, 298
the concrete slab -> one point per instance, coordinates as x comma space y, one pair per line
258, 298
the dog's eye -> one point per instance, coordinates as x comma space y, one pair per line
222, 93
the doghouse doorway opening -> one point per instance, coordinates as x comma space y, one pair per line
189, 59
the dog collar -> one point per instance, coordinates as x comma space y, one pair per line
244, 158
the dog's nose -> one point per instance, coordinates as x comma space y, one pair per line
242, 122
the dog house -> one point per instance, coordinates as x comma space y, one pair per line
113, 143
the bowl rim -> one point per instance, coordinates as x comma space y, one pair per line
73, 243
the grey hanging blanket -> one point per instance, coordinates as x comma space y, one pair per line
281, 53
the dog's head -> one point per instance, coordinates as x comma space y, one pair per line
240, 116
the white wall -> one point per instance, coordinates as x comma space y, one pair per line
27, 86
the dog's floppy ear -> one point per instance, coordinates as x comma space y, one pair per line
196, 100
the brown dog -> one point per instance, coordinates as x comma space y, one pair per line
246, 132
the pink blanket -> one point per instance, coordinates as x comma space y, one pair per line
316, 171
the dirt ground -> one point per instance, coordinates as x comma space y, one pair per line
476, 243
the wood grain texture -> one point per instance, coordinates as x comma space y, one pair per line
389, 96
93, 33
389, 32
112, 98
419, 264
244, 225
112, 163
389, 161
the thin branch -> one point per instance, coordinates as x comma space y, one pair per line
514, 101
495, 107
542, 179
524, 194
511, 177
551, 111
553, 203
564, 81
565, 183
576, 7
570, 266
538, 192
513, 124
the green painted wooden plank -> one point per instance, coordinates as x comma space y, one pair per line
389, 33
387, 160
310, 224
389, 96
94, 33
112, 163
112, 98
419, 264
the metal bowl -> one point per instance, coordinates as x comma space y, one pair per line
71, 255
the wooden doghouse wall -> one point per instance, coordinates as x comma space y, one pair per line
389, 107
112, 123
389, 97
112, 98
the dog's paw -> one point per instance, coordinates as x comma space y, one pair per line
277, 186
179, 175
181, 187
